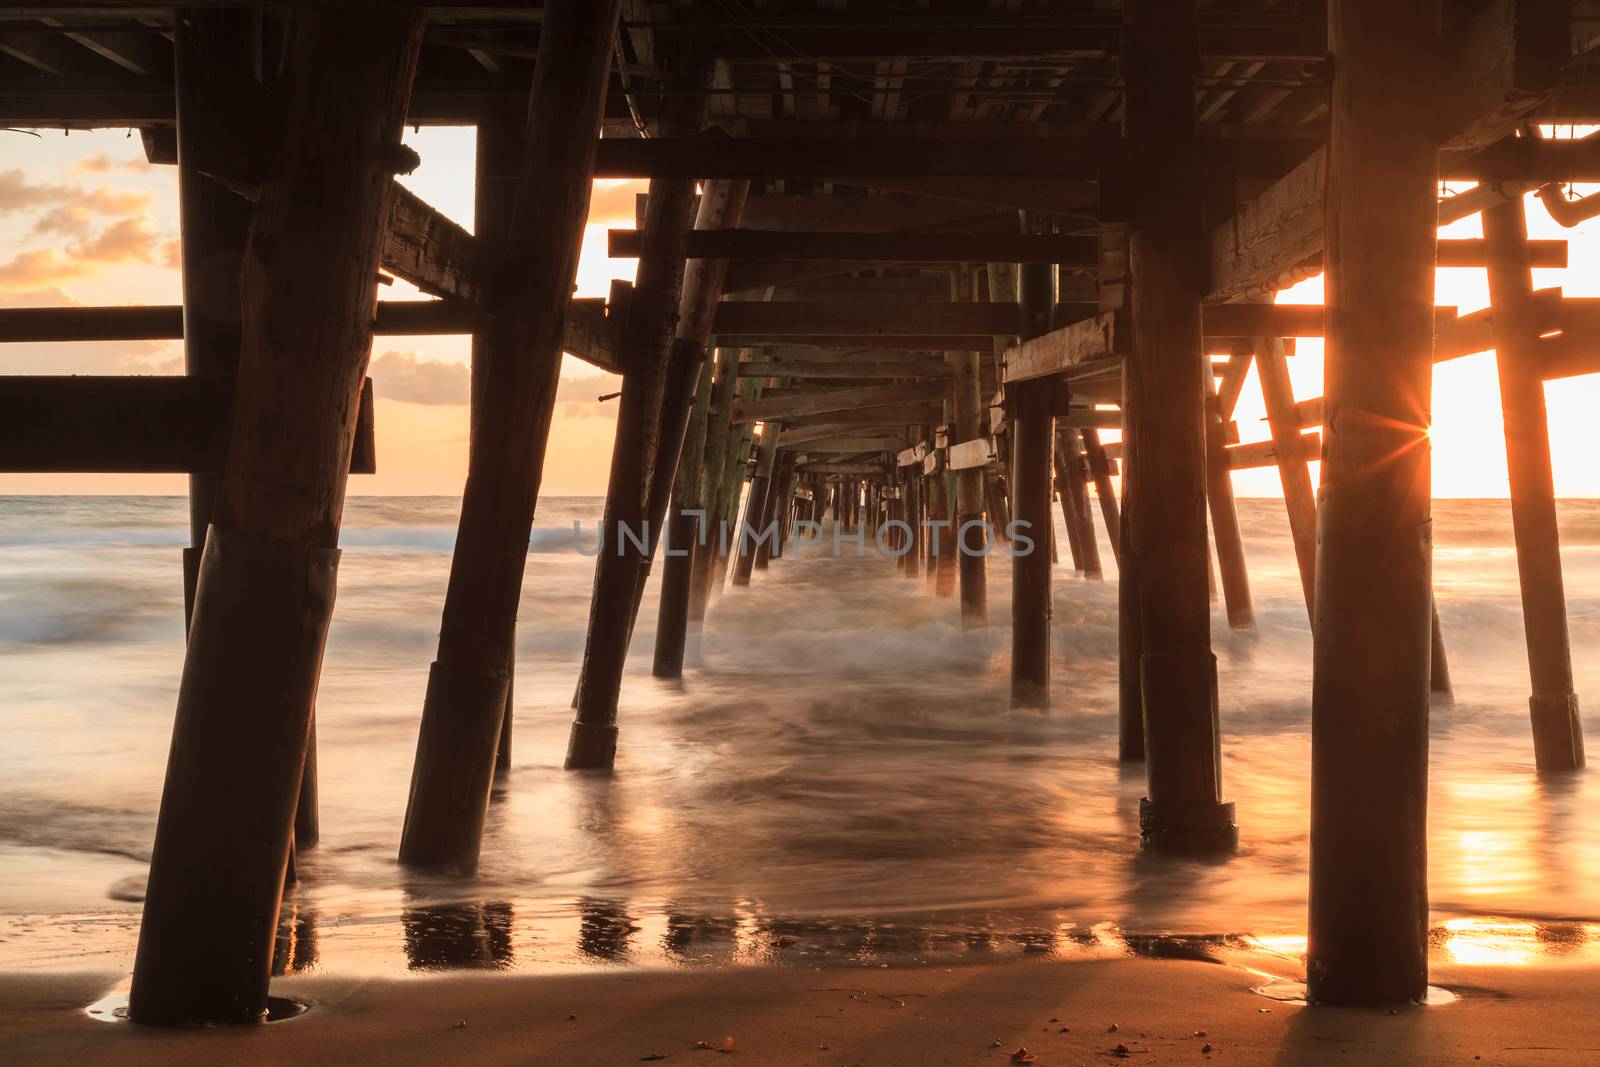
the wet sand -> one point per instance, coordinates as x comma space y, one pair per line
838, 1016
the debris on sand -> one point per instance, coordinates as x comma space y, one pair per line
1022, 1055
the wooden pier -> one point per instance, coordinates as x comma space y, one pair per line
904, 275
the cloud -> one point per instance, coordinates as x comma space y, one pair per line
415, 379
405, 376
579, 398
30, 270
99, 163
129, 240
17, 193
69, 220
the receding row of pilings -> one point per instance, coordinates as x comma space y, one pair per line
261, 588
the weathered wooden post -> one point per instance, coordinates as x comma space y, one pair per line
527, 291
1557, 731
646, 350
679, 535
911, 486
1130, 628
494, 198
775, 515
966, 393
266, 578
1074, 486
1369, 757
1225, 532
1299, 499
1184, 810
1032, 455
761, 485
1100, 469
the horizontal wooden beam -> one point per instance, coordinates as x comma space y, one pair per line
1265, 453
862, 369
1059, 350
906, 414
1076, 252
719, 156
819, 401
847, 446
589, 334
129, 425
844, 468
864, 342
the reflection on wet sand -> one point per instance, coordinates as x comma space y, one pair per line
451, 937
295, 949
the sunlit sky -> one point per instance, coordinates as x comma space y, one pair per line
84, 220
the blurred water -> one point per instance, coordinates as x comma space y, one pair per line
843, 768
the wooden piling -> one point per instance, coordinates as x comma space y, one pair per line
1184, 810
646, 355
1100, 469
1299, 499
1368, 914
774, 516
1032, 454
1072, 467
1557, 731
527, 294
682, 529
494, 198
755, 514
266, 578
1225, 532
966, 393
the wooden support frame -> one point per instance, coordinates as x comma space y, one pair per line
1557, 728
463, 711
1183, 810
886, 247
1368, 915
265, 596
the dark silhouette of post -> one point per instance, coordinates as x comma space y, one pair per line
625, 540
266, 578
1032, 455
1225, 530
528, 288
1184, 810
1369, 757
1557, 731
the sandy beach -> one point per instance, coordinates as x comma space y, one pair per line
1159, 1011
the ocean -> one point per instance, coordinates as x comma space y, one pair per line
839, 774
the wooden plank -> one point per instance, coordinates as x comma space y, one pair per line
129, 424
891, 415
1076, 252
428, 250
970, 455
867, 319
845, 446
844, 468
866, 343
1059, 350
1090, 419
589, 335
1265, 453
852, 369
817, 401
915, 158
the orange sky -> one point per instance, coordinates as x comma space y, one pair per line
84, 220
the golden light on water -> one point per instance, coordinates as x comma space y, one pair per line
1491, 942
